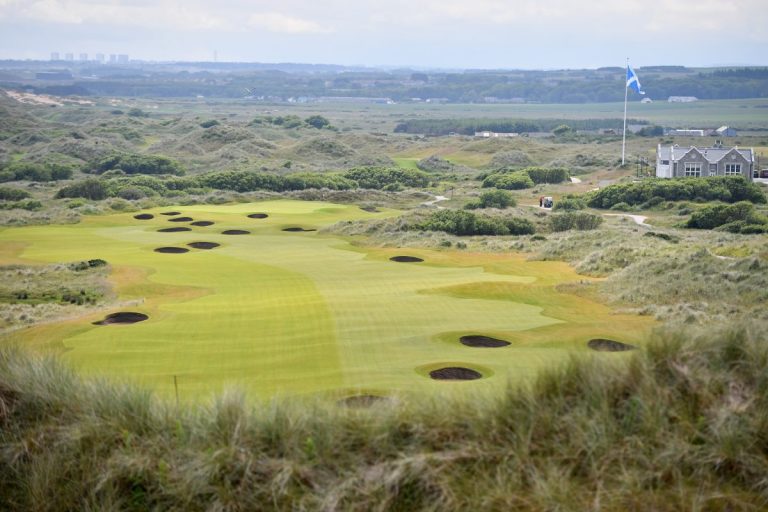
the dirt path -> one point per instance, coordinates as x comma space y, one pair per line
434, 202
639, 219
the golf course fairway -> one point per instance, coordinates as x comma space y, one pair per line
299, 312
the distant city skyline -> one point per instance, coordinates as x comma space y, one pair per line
485, 34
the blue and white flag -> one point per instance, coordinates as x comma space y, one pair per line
632, 81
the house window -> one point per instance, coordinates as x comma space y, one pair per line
665, 162
692, 169
732, 169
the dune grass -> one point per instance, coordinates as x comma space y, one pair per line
680, 426
306, 312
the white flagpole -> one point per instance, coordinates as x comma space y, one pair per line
624, 131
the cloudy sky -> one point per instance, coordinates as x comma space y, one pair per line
422, 33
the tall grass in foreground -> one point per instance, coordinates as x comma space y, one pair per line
682, 426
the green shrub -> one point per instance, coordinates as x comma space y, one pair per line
729, 189
509, 181
88, 189
547, 175
209, 123
581, 221
379, 177
570, 204
733, 218
464, 223
31, 171
621, 207
492, 199
138, 164
318, 122
12, 194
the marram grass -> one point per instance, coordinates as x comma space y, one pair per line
682, 426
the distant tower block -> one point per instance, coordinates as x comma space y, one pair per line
122, 59
100, 58
69, 56
55, 56
113, 58
83, 57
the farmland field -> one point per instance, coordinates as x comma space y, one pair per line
298, 312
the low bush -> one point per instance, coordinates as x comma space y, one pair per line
138, 164
547, 174
380, 177
734, 218
12, 194
492, 199
509, 181
88, 189
729, 189
581, 221
464, 223
570, 204
31, 171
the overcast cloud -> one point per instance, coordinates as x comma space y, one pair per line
427, 33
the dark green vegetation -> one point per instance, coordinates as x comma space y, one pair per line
30, 171
681, 426
740, 217
492, 199
517, 179
581, 221
137, 164
729, 189
464, 223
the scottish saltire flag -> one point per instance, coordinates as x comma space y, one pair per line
632, 81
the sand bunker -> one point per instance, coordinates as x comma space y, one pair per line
603, 345
258, 216
296, 230
124, 317
203, 245
170, 213
235, 232
362, 400
480, 341
180, 219
405, 259
174, 230
455, 373
172, 250
144, 216
203, 223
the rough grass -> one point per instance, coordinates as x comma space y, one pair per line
682, 425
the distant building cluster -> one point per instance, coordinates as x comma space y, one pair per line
723, 131
101, 58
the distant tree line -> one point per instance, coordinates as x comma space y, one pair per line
555, 86
471, 125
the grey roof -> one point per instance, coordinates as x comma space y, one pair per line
712, 155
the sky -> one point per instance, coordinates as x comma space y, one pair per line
485, 34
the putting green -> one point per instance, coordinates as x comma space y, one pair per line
278, 312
